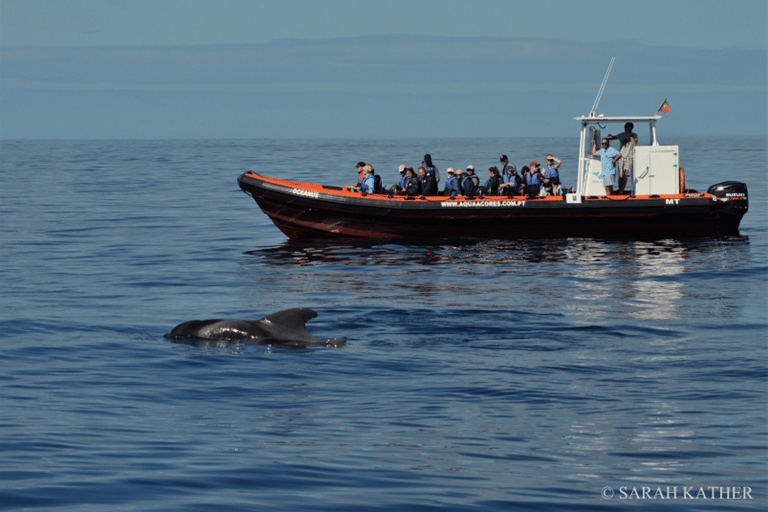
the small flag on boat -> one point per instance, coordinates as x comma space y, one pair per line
664, 107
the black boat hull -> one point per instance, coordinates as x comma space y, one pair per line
310, 211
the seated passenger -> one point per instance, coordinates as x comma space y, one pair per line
360, 176
369, 181
397, 188
411, 185
533, 180
466, 183
451, 184
491, 187
378, 188
471, 174
510, 185
428, 183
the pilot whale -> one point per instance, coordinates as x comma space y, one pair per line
285, 328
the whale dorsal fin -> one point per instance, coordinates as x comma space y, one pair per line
288, 325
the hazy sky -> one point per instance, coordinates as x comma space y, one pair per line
67, 23
356, 68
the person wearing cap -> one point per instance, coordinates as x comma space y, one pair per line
471, 174
506, 164
551, 175
510, 181
628, 141
533, 179
466, 183
360, 176
451, 184
397, 188
430, 168
608, 157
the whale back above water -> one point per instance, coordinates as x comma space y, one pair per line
286, 327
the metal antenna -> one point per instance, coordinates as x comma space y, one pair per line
602, 87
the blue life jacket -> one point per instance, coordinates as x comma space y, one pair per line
515, 178
369, 184
468, 186
452, 186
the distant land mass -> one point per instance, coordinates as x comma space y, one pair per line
373, 87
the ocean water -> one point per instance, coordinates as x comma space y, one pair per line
520, 374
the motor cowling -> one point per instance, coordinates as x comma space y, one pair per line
735, 193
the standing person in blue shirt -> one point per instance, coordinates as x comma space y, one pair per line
451, 184
608, 156
551, 175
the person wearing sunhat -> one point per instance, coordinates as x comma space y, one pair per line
451, 184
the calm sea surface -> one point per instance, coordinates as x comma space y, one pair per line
522, 374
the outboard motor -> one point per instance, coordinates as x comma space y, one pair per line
735, 192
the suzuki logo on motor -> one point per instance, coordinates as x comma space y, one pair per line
673, 201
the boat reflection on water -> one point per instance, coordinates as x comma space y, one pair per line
361, 252
591, 278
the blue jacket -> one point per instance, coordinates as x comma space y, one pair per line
515, 178
452, 187
369, 184
467, 186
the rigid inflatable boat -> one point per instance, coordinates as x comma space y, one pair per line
657, 203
